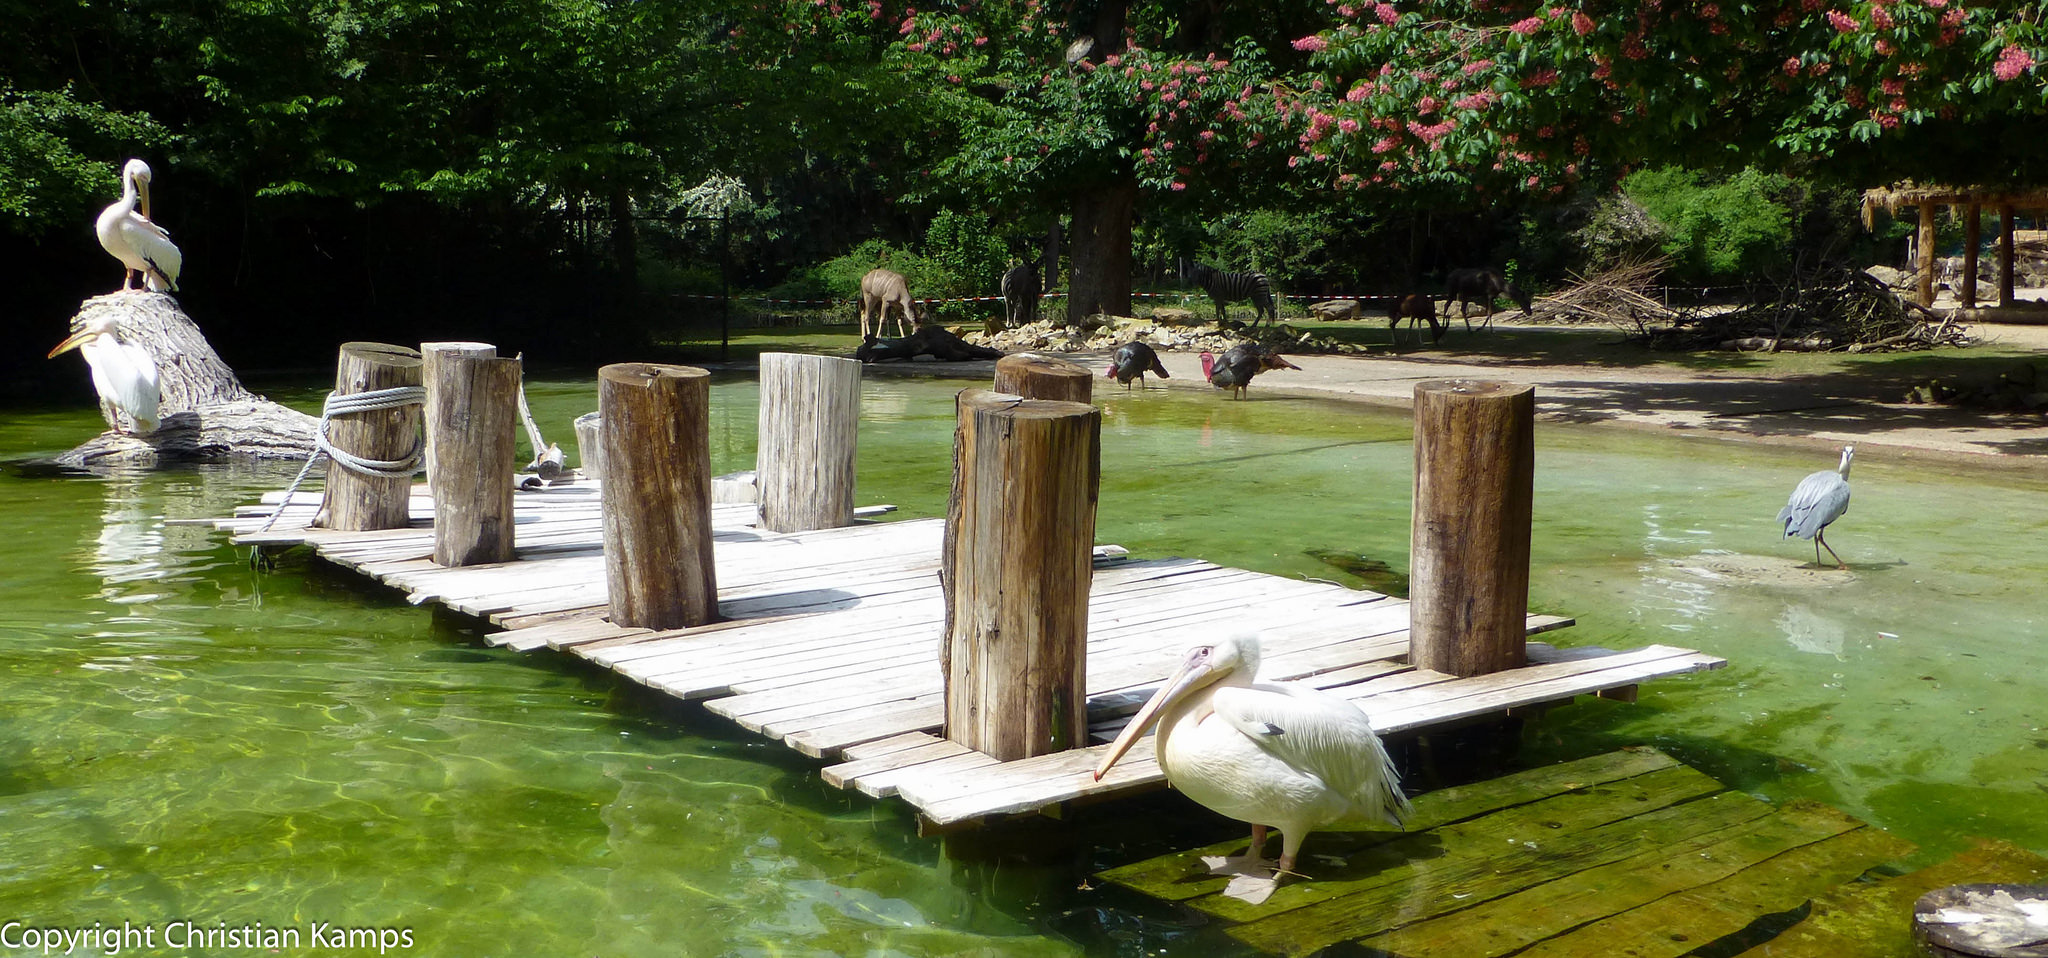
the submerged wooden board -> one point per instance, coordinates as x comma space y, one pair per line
1628, 853
829, 641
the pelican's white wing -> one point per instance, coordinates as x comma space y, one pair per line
1320, 734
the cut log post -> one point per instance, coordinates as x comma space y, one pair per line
1020, 530
356, 501
1925, 244
809, 430
1475, 468
590, 445
1043, 377
472, 423
657, 495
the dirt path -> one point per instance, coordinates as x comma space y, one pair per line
1820, 410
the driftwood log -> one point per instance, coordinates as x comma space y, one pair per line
207, 413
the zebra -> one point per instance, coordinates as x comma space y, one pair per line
1230, 287
1021, 292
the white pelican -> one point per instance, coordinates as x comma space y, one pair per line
1274, 754
126, 231
124, 374
1821, 498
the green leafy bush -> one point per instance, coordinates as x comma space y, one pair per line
1718, 230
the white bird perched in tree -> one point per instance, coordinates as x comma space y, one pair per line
126, 231
1820, 499
124, 374
1275, 754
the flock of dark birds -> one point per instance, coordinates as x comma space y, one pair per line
1234, 371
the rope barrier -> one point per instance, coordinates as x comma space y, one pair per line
393, 398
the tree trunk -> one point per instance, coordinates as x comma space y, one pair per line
1101, 251
206, 412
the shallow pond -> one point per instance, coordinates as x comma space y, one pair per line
188, 738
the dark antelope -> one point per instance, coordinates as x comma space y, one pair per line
1414, 307
878, 289
1482, 285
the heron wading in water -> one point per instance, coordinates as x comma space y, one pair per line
1820, 499
126, 231
1274, 754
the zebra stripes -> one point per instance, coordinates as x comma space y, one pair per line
1225, 287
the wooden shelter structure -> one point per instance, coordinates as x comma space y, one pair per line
1971, 201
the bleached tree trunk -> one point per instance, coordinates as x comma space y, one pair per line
206, 412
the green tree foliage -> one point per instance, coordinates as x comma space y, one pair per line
1722, 230
50, 148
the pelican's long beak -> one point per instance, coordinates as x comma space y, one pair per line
142, 200
76, 340
1191, 676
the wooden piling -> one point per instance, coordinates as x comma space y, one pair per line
472, 417
809, 427
1043, 377
1475, 467
657, 495
2005, 254
1924, 243
590, 445
355, 501
1020, 530
1973, 237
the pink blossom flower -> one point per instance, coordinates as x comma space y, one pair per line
1179, 186
981, 41
1311, 43
1791, 66
1348, 125
1527, 27
1533, 181
1359, 92
1385, 143
1893, 86
915, 48
1581, 24
1842, 22
1541, 78
2012, 61
1427, 104
1880, 17
1476, 66
1386, 13
1937, 4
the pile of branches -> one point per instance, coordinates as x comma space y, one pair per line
1618, 296
1833, 310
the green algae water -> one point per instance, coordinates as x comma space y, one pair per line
191, 740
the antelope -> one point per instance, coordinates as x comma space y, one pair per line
1466, 285
878, 289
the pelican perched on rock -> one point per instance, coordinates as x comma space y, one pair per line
1821, 498
126, 231
123, 373
1275, 754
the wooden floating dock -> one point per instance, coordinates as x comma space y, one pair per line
829, 641
1627, 853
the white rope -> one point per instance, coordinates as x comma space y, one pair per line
371, 401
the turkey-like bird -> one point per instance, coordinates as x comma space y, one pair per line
1238, 365
1132, 361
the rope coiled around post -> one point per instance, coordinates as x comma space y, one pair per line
393, 398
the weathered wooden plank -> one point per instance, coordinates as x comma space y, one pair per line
1508, 924
1875, 919
1166, 877
1680, 923
894, 743
1405, 881
843, 774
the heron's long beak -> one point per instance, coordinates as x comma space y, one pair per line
76, 340
142, 201
1190, 677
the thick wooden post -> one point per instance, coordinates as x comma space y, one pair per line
2005, 254
472, 416
1042, 377
590, 445
657, 494
1924, 241
1475, 468
1973, 236
355, 501
1020, 533
809, 427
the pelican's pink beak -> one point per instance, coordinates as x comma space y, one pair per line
1192, 675
75, 340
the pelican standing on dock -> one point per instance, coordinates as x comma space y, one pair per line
1821, 498
124, 374
1275, 754
126, 231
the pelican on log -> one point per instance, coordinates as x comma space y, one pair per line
1274, 754
126, 231
123, 373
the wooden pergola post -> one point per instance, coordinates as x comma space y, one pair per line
472, 417
657, 495
1973, 236
1017, 565
1475, 468
355, 501
809, 429
1924, 239
1043, 377
2005, 254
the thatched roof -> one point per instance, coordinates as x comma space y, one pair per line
1908, 193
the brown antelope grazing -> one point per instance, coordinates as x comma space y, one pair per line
878, 289
1482, 285
1414, 307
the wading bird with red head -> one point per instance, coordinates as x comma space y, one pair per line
1278, 755
1238, 365
1132, 361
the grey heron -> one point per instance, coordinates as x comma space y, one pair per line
1820, 499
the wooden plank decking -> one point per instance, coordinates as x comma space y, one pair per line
1628, 853
830, 642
